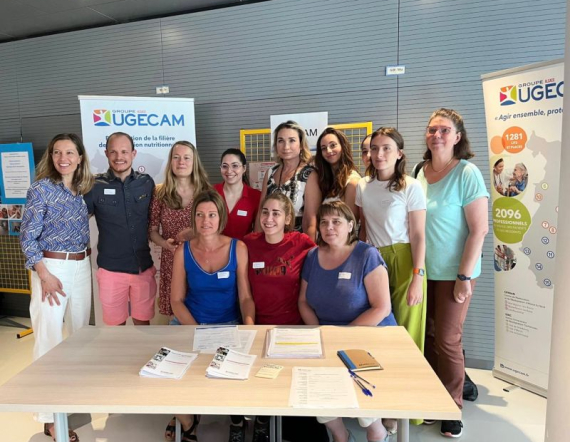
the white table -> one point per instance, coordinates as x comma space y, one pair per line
96, 371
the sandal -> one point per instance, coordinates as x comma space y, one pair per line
72, 434
187, 435
170, 432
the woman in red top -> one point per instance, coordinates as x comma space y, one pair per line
276, 257
241, 200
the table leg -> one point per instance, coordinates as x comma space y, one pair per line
279, 429
61, 425
403, 430
272, 429
178, 434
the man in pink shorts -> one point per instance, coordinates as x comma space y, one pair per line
120, 200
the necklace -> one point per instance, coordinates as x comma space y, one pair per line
444, 167
281, 173
292, 187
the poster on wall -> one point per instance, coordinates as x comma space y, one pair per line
523, 109
16, 175
16, 172
154, 123
314, 123
256, 172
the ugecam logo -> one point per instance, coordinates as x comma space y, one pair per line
531, 91
508, 95
102, 117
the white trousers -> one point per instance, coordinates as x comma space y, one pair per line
75, 308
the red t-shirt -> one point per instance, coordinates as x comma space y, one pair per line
242, 218
274, 272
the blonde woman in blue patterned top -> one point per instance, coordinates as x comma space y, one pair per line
55, 241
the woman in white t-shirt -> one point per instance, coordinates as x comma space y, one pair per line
393, 214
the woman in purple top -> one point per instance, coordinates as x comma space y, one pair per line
344, 282
55, 241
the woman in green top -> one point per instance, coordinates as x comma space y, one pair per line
456, 226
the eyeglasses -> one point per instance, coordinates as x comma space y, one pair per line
432, 130
233, 166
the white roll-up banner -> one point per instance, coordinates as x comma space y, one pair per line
523, 109
154, 123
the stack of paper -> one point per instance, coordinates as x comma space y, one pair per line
168, 364
230, 364
298, 343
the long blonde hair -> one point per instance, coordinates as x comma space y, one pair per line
166, 191
82, 181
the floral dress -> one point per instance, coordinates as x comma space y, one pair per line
170, 223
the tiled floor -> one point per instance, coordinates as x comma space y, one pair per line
497, 416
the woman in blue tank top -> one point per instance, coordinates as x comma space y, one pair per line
209, 281
209, 277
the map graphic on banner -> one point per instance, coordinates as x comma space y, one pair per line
523, 109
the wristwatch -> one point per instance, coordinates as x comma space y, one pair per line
420, 272
463, 277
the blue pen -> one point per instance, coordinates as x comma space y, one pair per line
361, 378
365, 390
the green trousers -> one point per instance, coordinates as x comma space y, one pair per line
398, 258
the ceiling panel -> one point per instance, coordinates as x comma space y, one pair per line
51, 6
125, 10
62, 21
21, 19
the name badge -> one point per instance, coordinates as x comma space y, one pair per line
344, 275
108, 191
242, 212
223, 275
258, 265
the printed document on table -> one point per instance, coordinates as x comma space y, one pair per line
246, 338
295, 343
213, 337
322, 387
229, 364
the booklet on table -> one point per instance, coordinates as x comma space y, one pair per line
168, 364
230, 364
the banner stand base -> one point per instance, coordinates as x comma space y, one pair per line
515, 381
